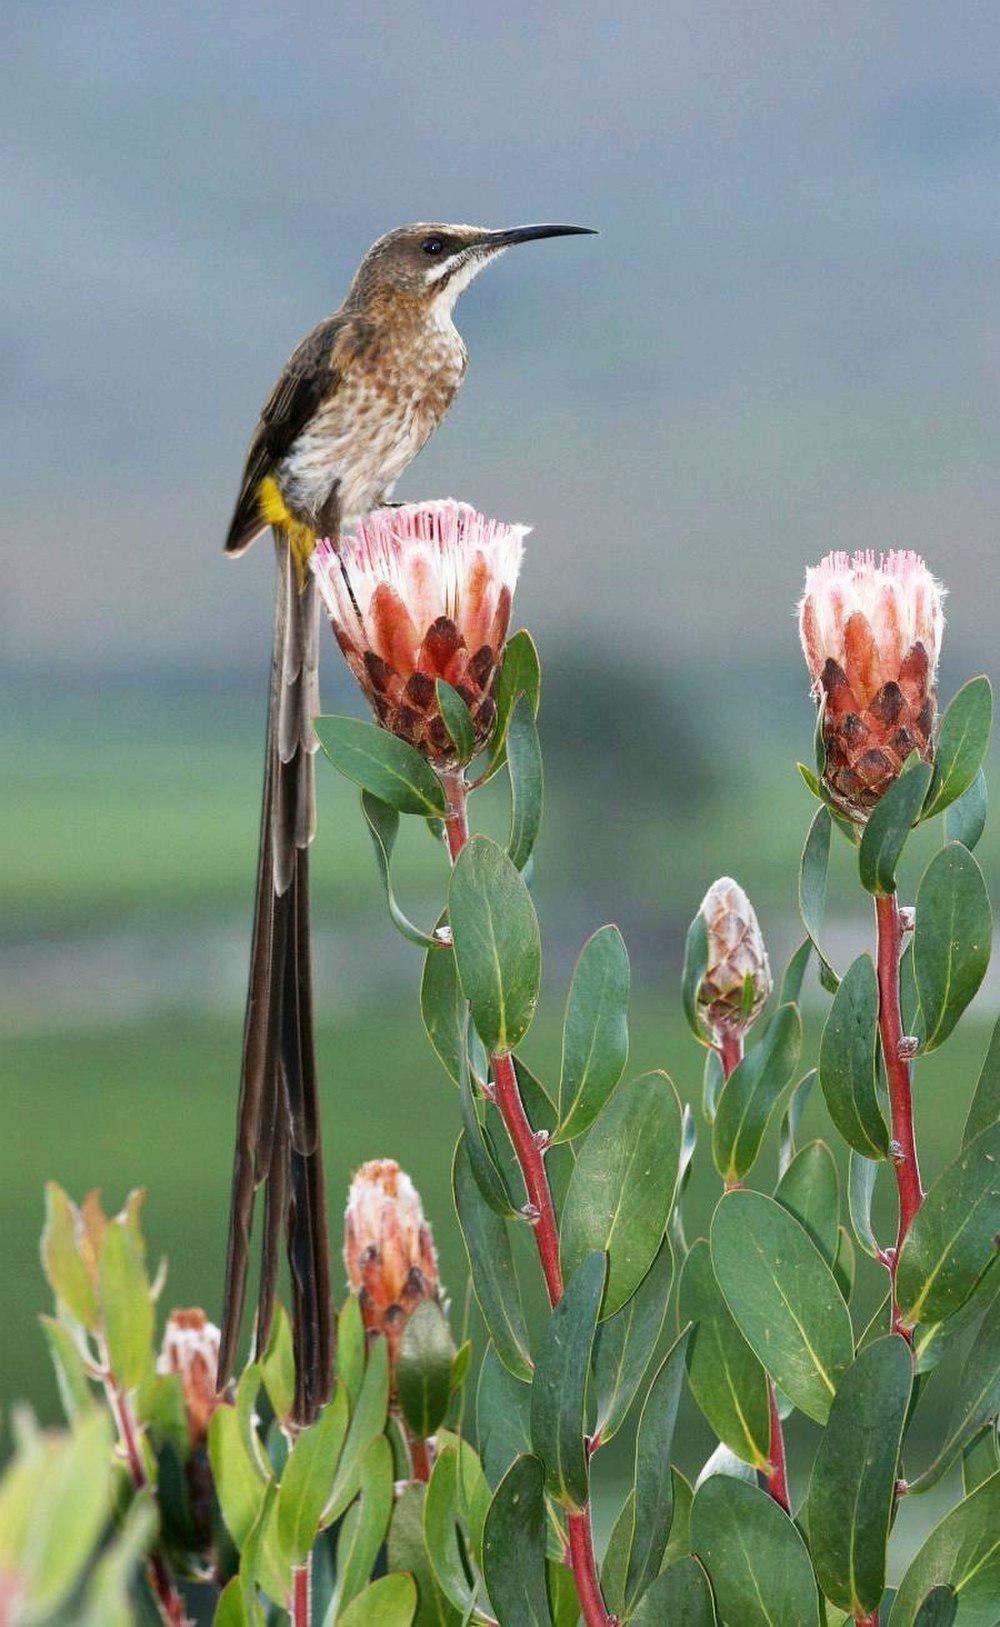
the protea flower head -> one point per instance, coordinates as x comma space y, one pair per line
191, 1348
737, 980
871, 633
418, 593
388, 1249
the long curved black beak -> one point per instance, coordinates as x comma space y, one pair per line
528, 234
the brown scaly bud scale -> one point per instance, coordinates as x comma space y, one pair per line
871, 633
388, 1250
737, 980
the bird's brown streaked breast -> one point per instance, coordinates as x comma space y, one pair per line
386, 406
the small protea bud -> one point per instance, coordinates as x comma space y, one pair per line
871, 633
419, 593
737, 980
388, 1249
191, 1349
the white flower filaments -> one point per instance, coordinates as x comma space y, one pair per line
737, 980
871, 634
388, 1250
419, 593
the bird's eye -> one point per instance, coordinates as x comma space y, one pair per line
432, 245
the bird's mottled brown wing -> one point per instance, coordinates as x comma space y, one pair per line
309, 376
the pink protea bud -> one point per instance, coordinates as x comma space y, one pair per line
871, 634
737, 980
388, 1249
191, 1348
419, 593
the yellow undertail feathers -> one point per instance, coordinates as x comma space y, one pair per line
301, 537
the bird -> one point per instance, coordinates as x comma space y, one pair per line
356, 401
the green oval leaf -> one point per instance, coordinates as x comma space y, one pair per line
977, 1396
625, 1343
503, 1416
810, 1190
63, 1263
756, 1560
391, 1601
726, 1379
847, 1061
961, 745
595, 1031
497, 945
308, 1478
443, 1009
652, 1482
524, 765
383, 827
126, 1304
693, 975
621, 1190
457, 720
681, 1594
750, 1093
237, 1477
813, 869
951, 942
862, 1174
363, 1529
367, 1422
559, 1388
984, 1108
784, 1298
953, 1236
791, 1118
493, 1277
520, 674
851, 1492
795, 971
939, 1609
383, 764
890, 823
514, 1547
423, 1369
965, 820
407, 1551
962, 1552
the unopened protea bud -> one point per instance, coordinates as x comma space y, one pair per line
737, 978
191, 1349
419, 593
871, 633
388, 1249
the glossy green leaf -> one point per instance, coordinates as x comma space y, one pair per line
750, 1093
391, 1601
383, 764
367, 1421
479, 1148
443, 1010
965, 820
810, 1190
457, 720
963, 1551
847, 1061
625, 1343
363, 1529
695, 967
712, 1080
514, 1547
520, 674
126, 1305
383, 827
423, 1369
503, 1416
75, 1390
239, 1482
308, 1478
889, 824
351, 1347
595, 1031
64, 1265
980, 1458
939, 1608
441, 1515
851, 1492
844, 1265
407, 1551
962, 740
559, 1389
784, 1298
791, 1118
726, 1379
622, 1188
652, 1481
472, 1492
951, 942
934, 1340
277, 1366
524, 765
984, 1109
953, 1237
497, 944
755, 1558
862, 1173
812, 885
681, 1594
795, 971
976, 1399
493, 1277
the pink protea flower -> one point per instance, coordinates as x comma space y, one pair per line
871, 634
191, 1349
388, 1249
419, 593
737, 980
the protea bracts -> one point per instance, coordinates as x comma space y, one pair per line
388, 1250
737, 980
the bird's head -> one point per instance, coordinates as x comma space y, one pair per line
432, 264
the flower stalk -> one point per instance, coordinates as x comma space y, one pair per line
530, 1157
163, 1586
302, 1594
889, 940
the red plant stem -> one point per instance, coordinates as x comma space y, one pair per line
302, 1594
536, 1183
731, 1050
160, 1580
867, 1621
420, 1458
889, 937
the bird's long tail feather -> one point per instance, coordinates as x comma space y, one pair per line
278, 1133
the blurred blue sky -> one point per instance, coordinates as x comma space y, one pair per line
784, 339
